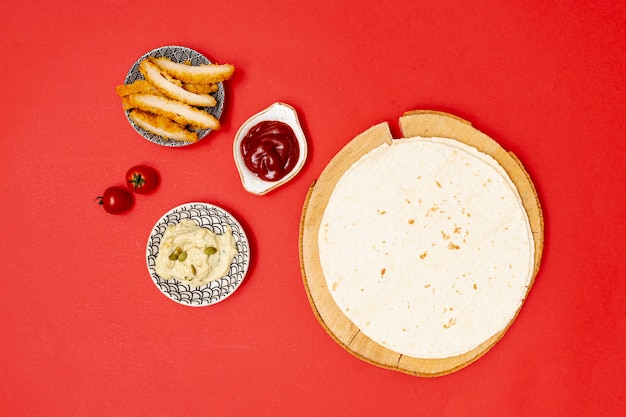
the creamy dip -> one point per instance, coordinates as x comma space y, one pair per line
193, 254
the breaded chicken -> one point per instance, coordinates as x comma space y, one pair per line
162, 126
202, 74
179, 112
152, 73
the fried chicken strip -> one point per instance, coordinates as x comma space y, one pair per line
139, 86
201, 74
179, 112
162, 126
152, 73
200, 88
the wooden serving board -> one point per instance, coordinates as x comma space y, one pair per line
422, 123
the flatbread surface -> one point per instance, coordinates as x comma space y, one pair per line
426, 247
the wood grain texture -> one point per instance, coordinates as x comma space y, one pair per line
423, 123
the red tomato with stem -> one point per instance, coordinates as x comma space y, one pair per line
141, 179
115, 200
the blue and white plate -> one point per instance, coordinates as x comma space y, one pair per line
216, 220
177, 54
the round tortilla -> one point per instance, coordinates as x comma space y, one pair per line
426, 247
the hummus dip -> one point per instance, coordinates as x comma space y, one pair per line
193, 254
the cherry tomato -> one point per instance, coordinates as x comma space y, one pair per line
115, 200
141, 179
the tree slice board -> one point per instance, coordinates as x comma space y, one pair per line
424, 123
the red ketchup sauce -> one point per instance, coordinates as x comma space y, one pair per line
270, 150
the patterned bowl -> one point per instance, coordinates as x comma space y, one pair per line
216, 220
177, 54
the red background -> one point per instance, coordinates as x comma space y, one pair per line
84, 331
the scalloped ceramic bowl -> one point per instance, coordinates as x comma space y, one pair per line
276, 112
176, 54
216, 219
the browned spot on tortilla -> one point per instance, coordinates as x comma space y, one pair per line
450, 323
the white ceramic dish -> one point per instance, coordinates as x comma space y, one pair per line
276, 112
215, 219
177, 54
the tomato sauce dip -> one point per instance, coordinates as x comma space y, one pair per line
270, 150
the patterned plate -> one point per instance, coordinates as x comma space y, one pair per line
215, 219
177, 54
